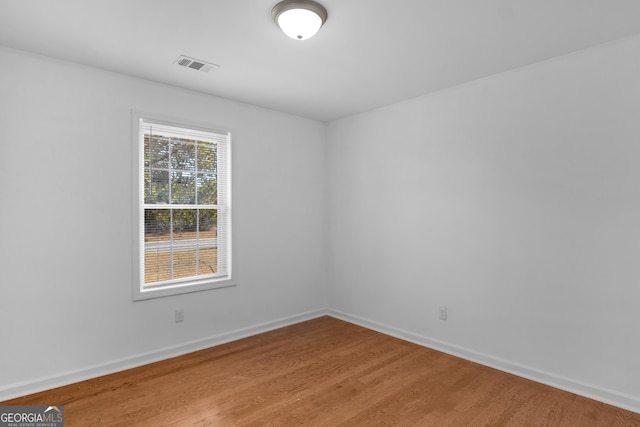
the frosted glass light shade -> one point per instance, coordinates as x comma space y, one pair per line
299, 24
299, 19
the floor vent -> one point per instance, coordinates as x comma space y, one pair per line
195, 64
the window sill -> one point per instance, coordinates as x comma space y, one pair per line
183, 288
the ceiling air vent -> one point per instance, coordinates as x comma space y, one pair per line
195, 64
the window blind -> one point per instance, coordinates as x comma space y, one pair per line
184, 204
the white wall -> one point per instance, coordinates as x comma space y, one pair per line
65, 223
512, 200
515, 202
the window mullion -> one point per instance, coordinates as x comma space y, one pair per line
179, 206
171, 243
197, 211
171, 224
170, 169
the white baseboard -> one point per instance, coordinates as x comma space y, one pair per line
611, 397
17, 390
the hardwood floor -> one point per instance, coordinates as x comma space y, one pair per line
324, 372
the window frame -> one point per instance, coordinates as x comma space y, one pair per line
183, 285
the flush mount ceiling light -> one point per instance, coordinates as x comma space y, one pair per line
299, 19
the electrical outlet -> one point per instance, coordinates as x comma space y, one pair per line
443, 312
179, 315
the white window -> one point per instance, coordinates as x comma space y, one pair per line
182, 207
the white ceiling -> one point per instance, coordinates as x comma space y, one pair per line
370, 53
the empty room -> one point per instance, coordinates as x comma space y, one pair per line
323, 213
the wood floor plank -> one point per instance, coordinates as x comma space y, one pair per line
324, 372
